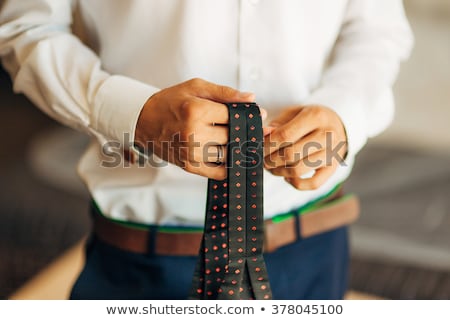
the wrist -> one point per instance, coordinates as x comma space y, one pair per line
145, 120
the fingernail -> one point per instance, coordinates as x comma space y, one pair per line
308, 175
263, 113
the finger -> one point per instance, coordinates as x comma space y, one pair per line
214, 154
311, 162
285, 116
206, 169
210, 91
217, 134
210, 112
292, 154
198, 136
319, 178
267, 130
197, 152
263, 113
289, 133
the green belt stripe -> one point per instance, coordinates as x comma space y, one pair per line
308, 207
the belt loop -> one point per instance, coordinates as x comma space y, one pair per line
297, 226
151, 241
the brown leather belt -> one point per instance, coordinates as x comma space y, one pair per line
334, 213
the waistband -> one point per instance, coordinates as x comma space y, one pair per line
334, 193
332, 211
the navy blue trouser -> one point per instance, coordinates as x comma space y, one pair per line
313, 268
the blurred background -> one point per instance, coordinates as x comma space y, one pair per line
400, 245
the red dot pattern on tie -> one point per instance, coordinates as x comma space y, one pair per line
231, 263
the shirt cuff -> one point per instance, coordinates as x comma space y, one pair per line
349, 109
117, 107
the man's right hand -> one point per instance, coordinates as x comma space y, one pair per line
187, 123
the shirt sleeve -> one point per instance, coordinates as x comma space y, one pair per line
374, 39
62, 76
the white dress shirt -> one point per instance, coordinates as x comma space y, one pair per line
343, 54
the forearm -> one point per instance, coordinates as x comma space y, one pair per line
62, 76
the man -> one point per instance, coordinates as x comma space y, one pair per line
321, 70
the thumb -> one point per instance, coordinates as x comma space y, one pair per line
284, 116
224, 94
267, 130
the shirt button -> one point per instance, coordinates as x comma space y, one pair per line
253, 2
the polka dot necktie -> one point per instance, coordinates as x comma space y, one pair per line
231, 263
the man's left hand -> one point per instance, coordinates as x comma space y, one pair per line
305, 145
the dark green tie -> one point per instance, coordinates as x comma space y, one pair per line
231, 263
